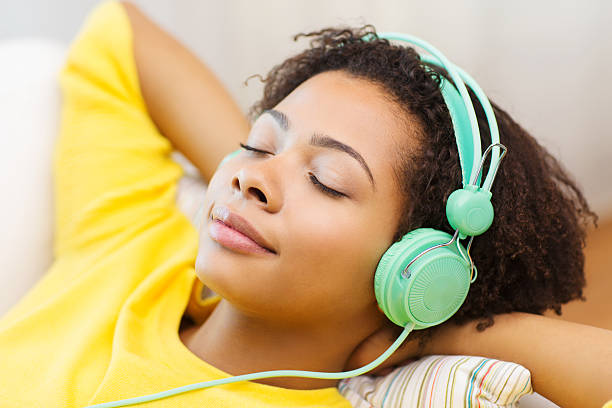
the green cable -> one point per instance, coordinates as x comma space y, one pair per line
263, 374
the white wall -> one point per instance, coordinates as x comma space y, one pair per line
547, 62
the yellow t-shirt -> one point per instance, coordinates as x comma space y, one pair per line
102, 324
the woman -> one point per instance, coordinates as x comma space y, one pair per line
351, 148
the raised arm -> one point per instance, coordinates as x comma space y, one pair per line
570, 363
185, 100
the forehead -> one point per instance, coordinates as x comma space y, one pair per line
354, 111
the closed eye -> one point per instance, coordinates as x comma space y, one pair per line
322, 187
252, 149
329, 191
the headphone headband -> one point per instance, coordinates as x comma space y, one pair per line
462, 112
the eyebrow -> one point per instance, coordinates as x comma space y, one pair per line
280, 117
323, 140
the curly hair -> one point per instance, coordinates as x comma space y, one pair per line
531, 258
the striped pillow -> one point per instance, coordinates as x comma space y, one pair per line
442, 381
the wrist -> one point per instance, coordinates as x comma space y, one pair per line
465, 339
447, 339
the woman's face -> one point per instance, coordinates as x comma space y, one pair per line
335, 130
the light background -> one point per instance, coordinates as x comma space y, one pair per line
546, 62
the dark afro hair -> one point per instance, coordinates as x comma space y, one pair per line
531, 258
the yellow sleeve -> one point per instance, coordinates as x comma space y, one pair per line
608, 404
111, 164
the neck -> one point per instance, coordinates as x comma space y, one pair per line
239, 344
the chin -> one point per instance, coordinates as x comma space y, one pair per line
246, 282
214, 268
224, 271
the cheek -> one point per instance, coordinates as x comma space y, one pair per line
333, 251
325, 233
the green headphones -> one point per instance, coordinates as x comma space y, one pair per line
424, 278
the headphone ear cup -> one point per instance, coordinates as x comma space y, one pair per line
436, 285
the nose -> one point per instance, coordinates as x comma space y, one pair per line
253, 184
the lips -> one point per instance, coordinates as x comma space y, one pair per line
238, 223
